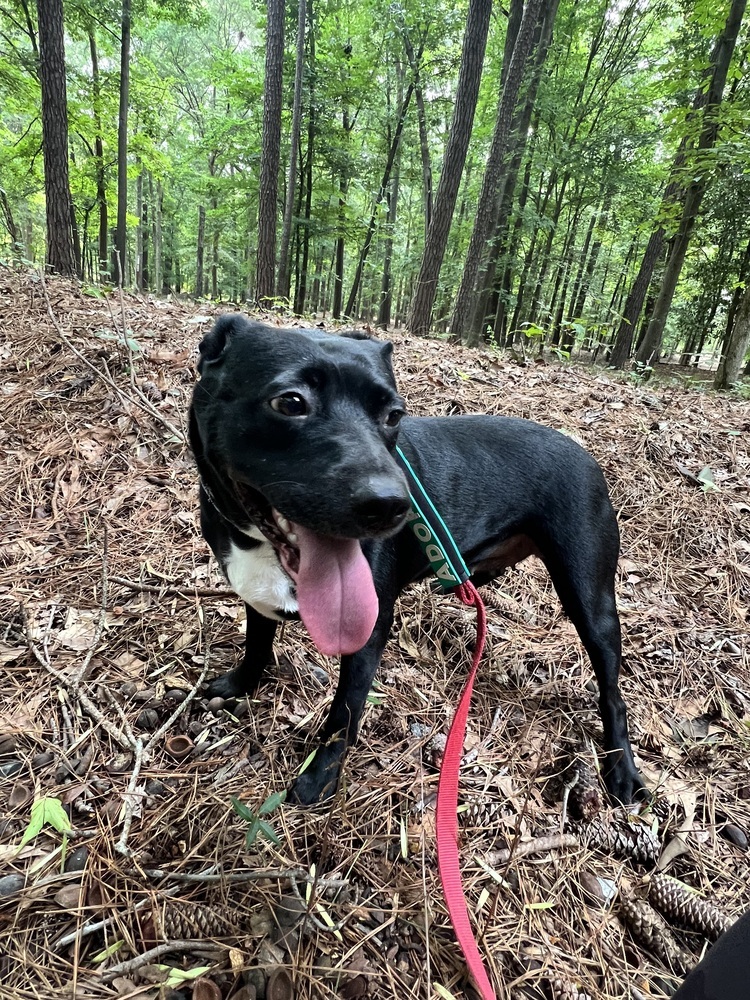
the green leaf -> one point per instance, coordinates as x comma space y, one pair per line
706, 476
268, 831
242, 810
252, 832
307, 762
46, 812
272, 802
108, 952
177, 976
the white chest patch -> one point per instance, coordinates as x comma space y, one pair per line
256, 575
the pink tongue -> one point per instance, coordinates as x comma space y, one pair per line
335, 592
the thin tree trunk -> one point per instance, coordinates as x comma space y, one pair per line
214, 250
55, 136
424, 147
139, 231
472, 58
738, 342
270, 153
386, 297
200, 251
706, 101
101, 182
121, 237
392, 152
14, 231
286, 232
303, 231
157, 208
463, 311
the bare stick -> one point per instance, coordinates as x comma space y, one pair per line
185, 592
124, 968
537, 846
129, 799
248, 875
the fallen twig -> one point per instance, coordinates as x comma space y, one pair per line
184, 592
124, 968
537, 846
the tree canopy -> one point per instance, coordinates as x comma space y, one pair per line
596, 140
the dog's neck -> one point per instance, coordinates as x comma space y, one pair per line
254, 515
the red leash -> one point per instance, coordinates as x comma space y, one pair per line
447, 804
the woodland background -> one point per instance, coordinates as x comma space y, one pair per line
569, 174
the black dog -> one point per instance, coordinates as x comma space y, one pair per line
293, 433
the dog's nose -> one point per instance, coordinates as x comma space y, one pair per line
381, 503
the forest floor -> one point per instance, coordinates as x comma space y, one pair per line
112, 612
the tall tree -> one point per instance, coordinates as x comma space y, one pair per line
120, 265
463, 312
737, 344
467, 91
271, 152
286, 231
651, 343
53, 82
709, 94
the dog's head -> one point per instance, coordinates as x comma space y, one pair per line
296, 428
306, 419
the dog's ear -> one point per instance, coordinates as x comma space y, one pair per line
385, 346
214, 343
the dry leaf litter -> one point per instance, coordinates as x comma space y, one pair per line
111, 612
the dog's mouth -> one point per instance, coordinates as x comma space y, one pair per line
335, 590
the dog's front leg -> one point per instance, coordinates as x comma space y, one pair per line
247, 675
340, 731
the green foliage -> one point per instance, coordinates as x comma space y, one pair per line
255, 825
614, 103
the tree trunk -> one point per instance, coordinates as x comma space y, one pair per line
386, 296
215, 250
392, 152
200, 250
707, 100
157, 207
286, 232
55, 136
120, 271
463, 312
101, 182
139, 230
14, 231
270, 153
739, 341
472, 58
424, 147
303, 231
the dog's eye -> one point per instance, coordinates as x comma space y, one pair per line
394, 418
291, 404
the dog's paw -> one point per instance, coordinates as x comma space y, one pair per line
319, 780
625, 785
230, 685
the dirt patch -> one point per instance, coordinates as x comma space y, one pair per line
103, 570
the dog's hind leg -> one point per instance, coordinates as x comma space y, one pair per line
247, 675
583, 575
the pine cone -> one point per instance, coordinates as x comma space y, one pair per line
585, 795
627, 839
684, 907
482, 813
564, 989
188, 921
650, 929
